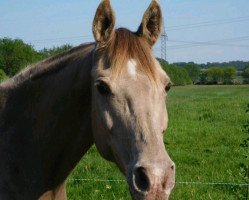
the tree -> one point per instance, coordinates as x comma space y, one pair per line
178, 75
193, 71
203, 77
55, 50
245, 75
15, 55
215, 75
2, 75
229, 75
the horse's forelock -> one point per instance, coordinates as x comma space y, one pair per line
126, 45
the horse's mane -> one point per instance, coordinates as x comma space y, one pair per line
125, 45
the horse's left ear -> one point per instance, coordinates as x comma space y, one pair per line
151, 25
103, 23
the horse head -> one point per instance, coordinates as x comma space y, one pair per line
128, 97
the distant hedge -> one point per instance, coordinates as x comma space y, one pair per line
178, 75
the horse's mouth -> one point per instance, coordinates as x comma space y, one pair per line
151, 195
154, 193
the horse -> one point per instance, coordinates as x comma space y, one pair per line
110, 93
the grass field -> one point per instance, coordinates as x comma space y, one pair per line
203, 138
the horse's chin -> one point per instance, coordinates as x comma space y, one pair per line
151, 195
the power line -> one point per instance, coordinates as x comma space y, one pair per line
211, 21
197, 44
242, 38
170, 28
206, 24
164, 38
222, 42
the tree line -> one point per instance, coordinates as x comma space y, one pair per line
192, 73
239, 65
16, 54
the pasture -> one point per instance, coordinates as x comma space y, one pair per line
203, 138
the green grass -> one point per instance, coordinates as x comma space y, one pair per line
203, 138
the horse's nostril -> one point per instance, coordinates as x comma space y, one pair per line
141, 179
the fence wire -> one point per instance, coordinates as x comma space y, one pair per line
177, 182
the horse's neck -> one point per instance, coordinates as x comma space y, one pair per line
46, 126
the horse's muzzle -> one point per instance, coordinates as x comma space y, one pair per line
151, 182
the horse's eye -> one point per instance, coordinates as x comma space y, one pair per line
103, 88
168, 86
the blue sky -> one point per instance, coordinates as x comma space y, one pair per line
198, 30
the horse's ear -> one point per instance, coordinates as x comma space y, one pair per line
151, 25
104, 22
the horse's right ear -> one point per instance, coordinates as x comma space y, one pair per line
103, 23
151, 26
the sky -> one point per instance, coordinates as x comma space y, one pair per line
198, 30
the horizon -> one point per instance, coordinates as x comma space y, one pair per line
199, 32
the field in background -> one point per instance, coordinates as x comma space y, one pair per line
203, 138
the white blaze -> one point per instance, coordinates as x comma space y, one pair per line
132, 67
